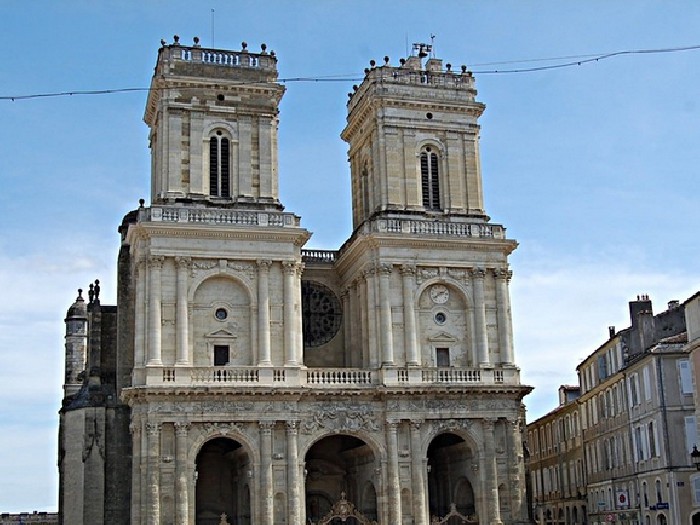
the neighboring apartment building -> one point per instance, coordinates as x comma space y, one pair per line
692, 323
243, 380
637, 418
557, 484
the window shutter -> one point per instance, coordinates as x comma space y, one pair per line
685, 376
213, 167
225, 176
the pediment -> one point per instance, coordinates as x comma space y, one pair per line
221, 333
442, 337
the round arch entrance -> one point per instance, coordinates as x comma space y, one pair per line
450, 476
223, 474
340, 468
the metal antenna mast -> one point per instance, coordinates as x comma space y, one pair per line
212, 29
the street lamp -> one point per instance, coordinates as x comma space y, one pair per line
695, 457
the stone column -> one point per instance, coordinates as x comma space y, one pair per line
181, 488
371, 318
503, 308
181, 316
418, 481
294, 480
385, 315
409, 315
264, 314
482, 343
393, 487
490, 481
136, 470
290, 353
266, 496
140, 315
153, 510
155, 265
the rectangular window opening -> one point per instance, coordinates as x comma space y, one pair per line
221, 355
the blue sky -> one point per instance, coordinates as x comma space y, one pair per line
593, 168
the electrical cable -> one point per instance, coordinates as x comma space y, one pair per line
572, 60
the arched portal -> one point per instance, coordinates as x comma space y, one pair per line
450, 471
223, 471
340, 467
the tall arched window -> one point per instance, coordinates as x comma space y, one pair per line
430, 178
219, 166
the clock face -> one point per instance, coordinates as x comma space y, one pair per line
439, 293
321, 313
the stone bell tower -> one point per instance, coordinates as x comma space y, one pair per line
214, 135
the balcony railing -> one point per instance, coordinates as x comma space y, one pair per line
320, 378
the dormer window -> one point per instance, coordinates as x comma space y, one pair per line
219, 166
430, 178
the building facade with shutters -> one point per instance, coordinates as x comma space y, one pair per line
555, 463
244, 379
637, 423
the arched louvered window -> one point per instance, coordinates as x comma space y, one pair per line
430, 178
219, 166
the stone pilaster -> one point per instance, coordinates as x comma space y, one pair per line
369, 276
155, 266
266, 496
299, 330
294, 480
490, 481
136, 469
153, 451
482, 344
517, 483
264, 358
181, 485
385, 320
393, 487
140, 314
503, 312
182, 320
418, 475
409, 315
363, 338
290, 353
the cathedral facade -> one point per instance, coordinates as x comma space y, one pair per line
243, 379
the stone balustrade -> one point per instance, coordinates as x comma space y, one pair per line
320, 378
212, 216
222, 57
338, 376
322, 256
440, 228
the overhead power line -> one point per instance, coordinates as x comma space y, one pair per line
569, 61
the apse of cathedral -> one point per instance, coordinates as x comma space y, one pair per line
244, 379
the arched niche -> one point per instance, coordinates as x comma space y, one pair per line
445, 325
221, 323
